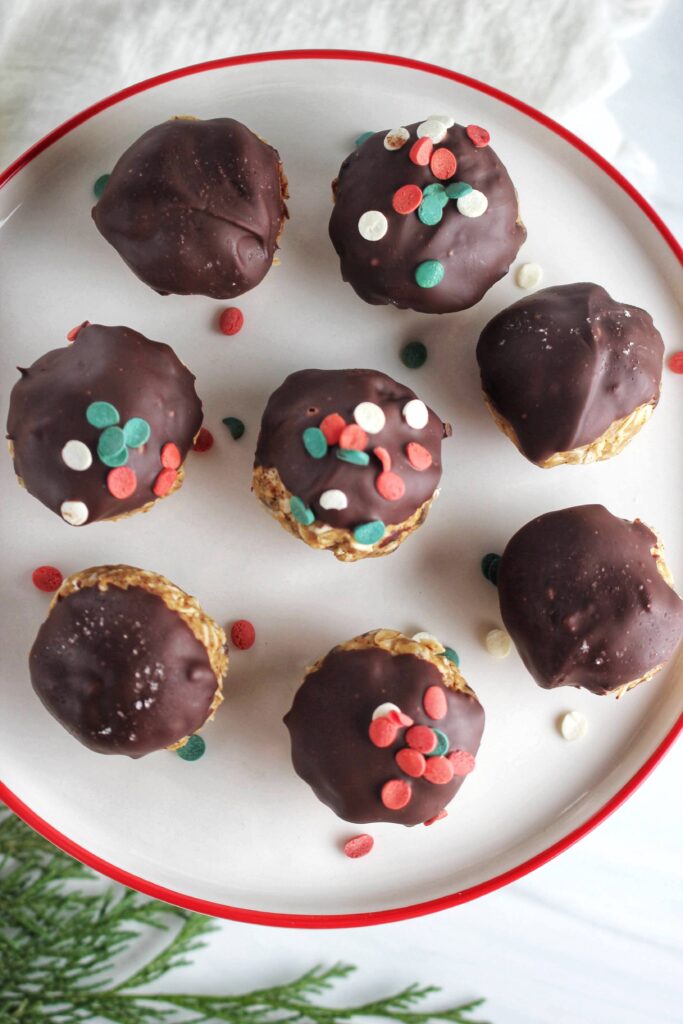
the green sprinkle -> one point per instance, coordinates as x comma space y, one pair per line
369, 533
430, 212
118, 459
100, 185
429, 274
442, 744
414, 354
315, 442
438, 191
489, 567
136, 432
102, 414
364, 138
235, 426
352, 455
193, 749
457, 189
452, 655
111, 442
301, 511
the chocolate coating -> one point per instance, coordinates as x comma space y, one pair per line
581, 596
565, 363
475, 252
120, 671
196, 207
141, 378
303, 400
329, 722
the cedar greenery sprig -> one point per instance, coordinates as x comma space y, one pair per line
63, 939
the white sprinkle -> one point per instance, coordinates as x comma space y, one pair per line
573, 725
416, 414
473, 204
75, 513
373, 225
384, 709
529, 275
396, 138
498, 643
446, 120
433, 129
333, 499
77, 455
429, 640
370, 417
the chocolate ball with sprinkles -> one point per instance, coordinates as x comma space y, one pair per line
128, 662
100, 428
425, 217
589, 601
385, 728
569, 374
196, 207
348, 460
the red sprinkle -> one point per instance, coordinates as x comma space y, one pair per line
383, 731
418, 456
399, 718
73, 333
121, 482
164, 482
443, 813
204, 441
170, 456
422, 738
675, 362
47, 578
462, 762
243, 634
359, 846
407, 198
421, 151
332, 427
384, 457
231, 320
412, 762
390, 486
434, 702
478, 136
439, 771
353, 436
443, 163
396, 794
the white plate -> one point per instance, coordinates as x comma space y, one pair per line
238, 832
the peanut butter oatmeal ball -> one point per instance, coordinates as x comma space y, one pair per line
569, 374
100, 428
589, 601
196, 207
348, 460
385, 728
127, 662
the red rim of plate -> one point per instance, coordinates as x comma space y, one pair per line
538, 860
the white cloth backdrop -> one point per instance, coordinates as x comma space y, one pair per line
596, 935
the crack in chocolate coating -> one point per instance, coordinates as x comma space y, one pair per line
121, 671
475, 251
329, 722
104, 364
302, 401
565, 363
196, 207
583, 600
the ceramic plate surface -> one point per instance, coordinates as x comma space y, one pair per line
238, 833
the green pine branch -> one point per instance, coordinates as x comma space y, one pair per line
62, 940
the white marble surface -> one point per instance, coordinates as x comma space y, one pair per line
596, 935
